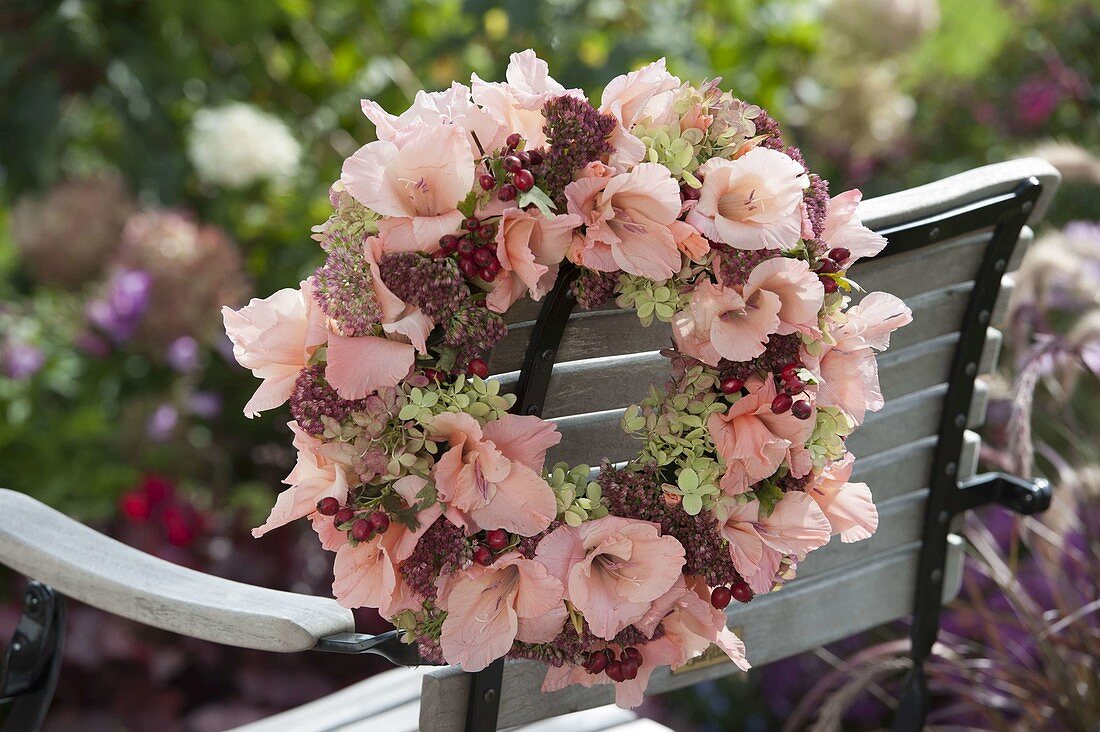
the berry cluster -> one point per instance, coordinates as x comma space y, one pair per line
720, 597
475, 250
830, 265
363, 527
792, 386
514, 167
496, 541
623, 668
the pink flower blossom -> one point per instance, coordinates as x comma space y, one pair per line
366, 575
416, 182
628, 219
849, 371
315, 476
795, 527
632, 98
529, 246
689, 241
844, 229
451, 106
275, 338
361, 365
613, 568
490, 477
488, 608
753, 441
516, 104
848, 506
753, 202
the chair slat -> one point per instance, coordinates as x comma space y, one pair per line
906, 468
799, 609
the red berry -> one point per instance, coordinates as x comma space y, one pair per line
478, 368
633, 654
496, 539
468, 266
328, 506
513, 140
136, 506
483, 256
741, 592
493, 266
471, 223
487, 274
688, 193
782, 403
342, 516
448, 243
379, 521
486, 231
361, 530
795, 385
513, 163
433, 374
486, 181
840, 255
523, 180
466, 245
596, 662
483, 556
789, 371
731, 385
525, 158
507, 192
802, 409
827, 266
829, 284
720, 597
614, 671
535, 156
629, 669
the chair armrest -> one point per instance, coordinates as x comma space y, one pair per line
41, 543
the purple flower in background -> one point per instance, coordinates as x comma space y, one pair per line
1035, 99
204, 404
119, 310
183, 354
21, 360
162, 423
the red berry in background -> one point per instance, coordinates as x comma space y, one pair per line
633, 654
180, 534
468, 266
523, 180
328, 506
731, 385
135, 506
513, 140
742, 592
535, 156
466, 245
487, 181
512, 163
829, 284
782, 403
720, 597
471, 223
482, 256
157, 489
827, 266
448, 243
379, 521
840, 255
614, 671
342, 516
361, 530
497, 539
802, 409
483, 556
478, 368
789, 371
629, 669
507, 192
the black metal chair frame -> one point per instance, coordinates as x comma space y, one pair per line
32, 661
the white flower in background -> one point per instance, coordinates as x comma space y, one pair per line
237, 145
881, 28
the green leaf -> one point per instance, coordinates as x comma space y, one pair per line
693, 504
539, 198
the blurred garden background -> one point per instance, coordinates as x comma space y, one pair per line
160, 159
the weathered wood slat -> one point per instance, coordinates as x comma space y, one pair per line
46, 545
906, 468
841, 597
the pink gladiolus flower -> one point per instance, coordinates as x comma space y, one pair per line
758, 543
367, 576
361, 365
490, 477
529, 247
275, 338
612, 568
848, 506
628, 219
632, 98
488, 608
689, 241
753, 441
451, 106
799, 290
315, 476
753, 202
849, 372
416, 182
844, 229
517, 103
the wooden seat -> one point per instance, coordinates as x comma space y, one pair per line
603, 363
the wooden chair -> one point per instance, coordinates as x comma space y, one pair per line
951, 246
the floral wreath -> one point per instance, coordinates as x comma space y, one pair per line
683, 203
